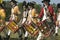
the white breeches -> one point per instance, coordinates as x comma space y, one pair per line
39, 36
26, 34
12, 17
58, 18
56, 29
24, 19
9, 32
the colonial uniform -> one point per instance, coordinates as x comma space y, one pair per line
46, 14
34, 16
58, 20
41, 15
30, 20
14, 14
25, 12
2, 16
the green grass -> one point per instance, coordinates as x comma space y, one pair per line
17, 36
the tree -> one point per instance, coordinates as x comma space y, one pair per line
38, 7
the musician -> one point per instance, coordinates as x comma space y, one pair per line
14, 11
24, 19
46, 13
25, 12
32, 13
14, 14
58, 19
2, 13
2, 16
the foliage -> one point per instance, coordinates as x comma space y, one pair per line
38, 7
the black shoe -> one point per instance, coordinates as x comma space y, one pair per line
26, 38
56, 34
20, 37
7, 37
0, 38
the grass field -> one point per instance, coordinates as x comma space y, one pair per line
16, 36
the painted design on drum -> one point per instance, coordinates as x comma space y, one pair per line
31, 30
12, 26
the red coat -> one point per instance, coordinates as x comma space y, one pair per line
50, 8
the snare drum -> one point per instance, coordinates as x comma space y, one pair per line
12, 26
31, 29
45, 28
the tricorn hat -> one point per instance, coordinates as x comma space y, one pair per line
13, 1
33, 3
46, 1
58, 5
2, 4
24, 3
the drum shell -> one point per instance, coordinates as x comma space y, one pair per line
31, 30
12, 26
44, 27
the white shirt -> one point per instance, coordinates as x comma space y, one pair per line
58, 17
44, 16
25, 13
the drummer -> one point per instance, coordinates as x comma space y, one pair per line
58, 19
32, 12
14, 11
2, 15
25, 12
47, 12
14, 14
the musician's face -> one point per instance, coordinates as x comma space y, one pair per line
24, 8
46, 3
12, 3
29, 7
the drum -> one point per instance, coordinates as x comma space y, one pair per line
13, 26
45, 27
31, 29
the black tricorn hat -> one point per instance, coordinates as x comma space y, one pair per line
24, 3
58, 5
46, 1
2, 4
33, 3
13, 1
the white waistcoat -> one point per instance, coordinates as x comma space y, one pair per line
25, 13
58, 17
44, 16
12, 14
